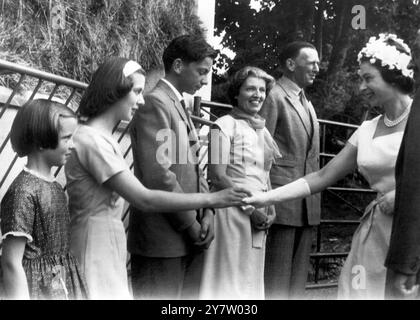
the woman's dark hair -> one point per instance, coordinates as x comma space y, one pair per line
37, 125
394, 76
241, 75
291, 51
108, 85
188, 48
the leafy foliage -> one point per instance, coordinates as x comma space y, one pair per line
258, 37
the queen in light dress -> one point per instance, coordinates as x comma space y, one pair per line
373, 148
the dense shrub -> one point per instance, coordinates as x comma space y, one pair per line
138, 29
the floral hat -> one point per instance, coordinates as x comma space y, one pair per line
388, 55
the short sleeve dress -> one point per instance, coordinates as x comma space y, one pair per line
97, 232
363, 274
36, 209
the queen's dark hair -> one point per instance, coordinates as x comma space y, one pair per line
394, 76
37, 125
188, 48
241, 75
108, 85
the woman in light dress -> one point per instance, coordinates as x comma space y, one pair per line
99, 180
241, 154
387, 82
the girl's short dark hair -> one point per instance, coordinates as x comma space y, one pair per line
108, 85
37, 125
241, 75
188, 48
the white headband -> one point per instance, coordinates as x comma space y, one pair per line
131, 67
389, 56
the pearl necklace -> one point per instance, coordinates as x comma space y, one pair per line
393, 123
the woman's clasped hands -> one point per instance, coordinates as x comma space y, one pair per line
261, 220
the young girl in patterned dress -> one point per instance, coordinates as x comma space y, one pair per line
36, 260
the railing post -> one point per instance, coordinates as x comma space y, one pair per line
197, 109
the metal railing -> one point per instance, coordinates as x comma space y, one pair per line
70, 92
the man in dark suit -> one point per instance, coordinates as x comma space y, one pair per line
292, 121
403, 260
166, 248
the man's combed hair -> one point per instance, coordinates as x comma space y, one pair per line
188, 48
108, 85
292, 49
37, 125
241, 75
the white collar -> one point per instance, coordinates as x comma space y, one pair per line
171, 86
38, 175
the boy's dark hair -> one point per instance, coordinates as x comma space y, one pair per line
188, 48
292, 49
37, 125
108, 85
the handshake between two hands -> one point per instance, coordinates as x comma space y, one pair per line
250, 203
239, 196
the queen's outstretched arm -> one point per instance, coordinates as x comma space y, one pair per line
341, 165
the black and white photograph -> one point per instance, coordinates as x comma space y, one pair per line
209, 156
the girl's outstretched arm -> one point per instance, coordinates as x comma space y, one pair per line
132, 190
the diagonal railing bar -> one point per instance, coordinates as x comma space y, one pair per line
124, 216
124, 132
209, 113
15, 90
73, 92
5, 141
348, 203
40, 82
53, 91
127, 151
8, 170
